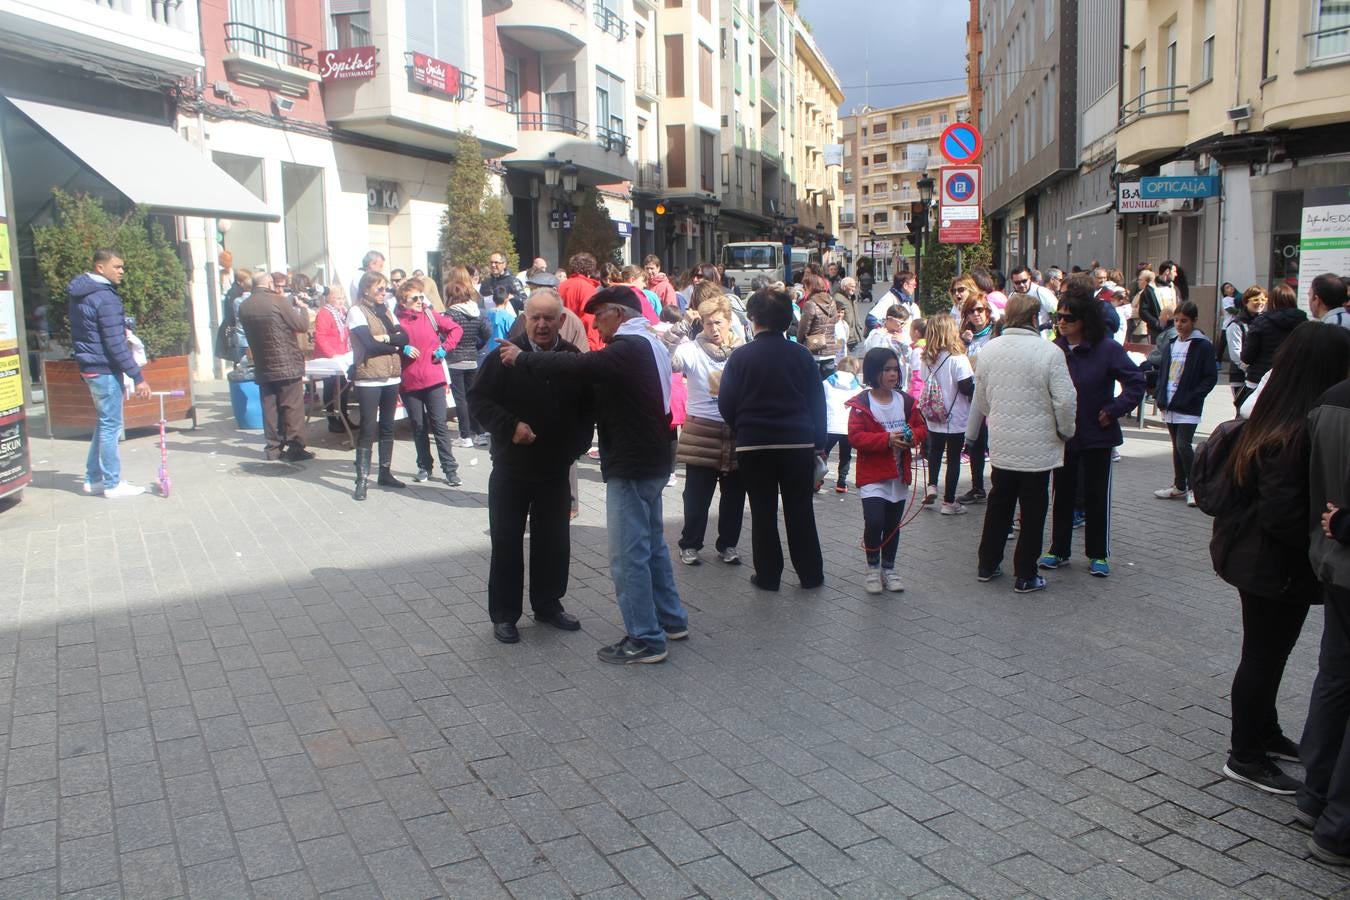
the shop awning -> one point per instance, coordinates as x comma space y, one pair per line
1095, 211
148, 163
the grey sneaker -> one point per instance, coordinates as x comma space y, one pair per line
731, 556
689, 556
1264, 776
628, 651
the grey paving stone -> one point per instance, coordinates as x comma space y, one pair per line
651, 875
86, 862
333, 863
471, 878
266, 851
1201, 859
819, 857
29, 848
584, 870
219, 880
203, 838
717, 877
153, 873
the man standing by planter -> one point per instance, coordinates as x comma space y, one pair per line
271, 323
98, 336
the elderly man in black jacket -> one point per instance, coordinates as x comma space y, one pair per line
631, 375
273, 325
538, 426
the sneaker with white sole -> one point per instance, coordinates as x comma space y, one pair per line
731, 556
466, 442
629, 651
93, 487
1190, 498
123, 489
930, 495
872, 580
1263, 775
953, 509
890, 579
689, 556
1169, 493
481, 440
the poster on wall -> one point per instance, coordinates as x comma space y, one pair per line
15, 469
1324, 240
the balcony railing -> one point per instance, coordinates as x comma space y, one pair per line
768, 146
878, 197
1328, 45
170, 13
1157, 101
648, 82
768, 89
648, 176
612, 139
498, 98
541, 121
243, 38
578, 5
610, 21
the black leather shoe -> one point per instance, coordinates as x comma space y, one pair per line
297, 453
561, 619
763, 586
506, 633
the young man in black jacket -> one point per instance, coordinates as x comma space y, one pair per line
631, 378
538, 427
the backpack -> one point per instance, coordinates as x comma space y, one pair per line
1216, 493
932, 404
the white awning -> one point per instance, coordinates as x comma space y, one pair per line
1095, 211
148, 163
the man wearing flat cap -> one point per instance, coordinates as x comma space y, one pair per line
630, 376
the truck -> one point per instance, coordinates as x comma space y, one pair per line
744, 261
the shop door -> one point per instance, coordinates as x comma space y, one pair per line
1157, 245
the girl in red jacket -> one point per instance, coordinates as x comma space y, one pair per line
884, 424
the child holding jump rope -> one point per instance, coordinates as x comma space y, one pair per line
884, 424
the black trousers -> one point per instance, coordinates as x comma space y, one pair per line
426, 411
978, 450
332, 403
845, 455
939, 443
377, 405
460, 382
791, 473
1091, 469
1007, 491
1324, 749
699, 484
881, 519
283, 413
1270, 629
513, 497
1183, 454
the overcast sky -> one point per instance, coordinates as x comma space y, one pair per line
889, 44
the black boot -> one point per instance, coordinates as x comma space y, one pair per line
362, 473
335, 425
387, 478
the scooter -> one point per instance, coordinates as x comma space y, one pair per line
165, 483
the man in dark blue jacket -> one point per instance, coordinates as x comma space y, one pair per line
98, 335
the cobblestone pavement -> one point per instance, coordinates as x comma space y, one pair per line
258, 687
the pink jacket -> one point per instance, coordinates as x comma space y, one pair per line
661, 286
426, 371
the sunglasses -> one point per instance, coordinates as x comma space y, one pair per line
983, 309
1066, 317
1022, 284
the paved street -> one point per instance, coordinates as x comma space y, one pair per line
258, 687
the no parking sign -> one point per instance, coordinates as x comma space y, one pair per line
959, 204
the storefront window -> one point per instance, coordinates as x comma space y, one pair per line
304, 221
246, 241
1285, 231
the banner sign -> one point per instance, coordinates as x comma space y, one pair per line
15, 468
348, 64
1130, 199
435, 75
1324, 240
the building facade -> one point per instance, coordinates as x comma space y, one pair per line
886, 152
1253, 93
817, 145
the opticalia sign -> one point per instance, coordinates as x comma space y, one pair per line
434, 74
1130, 199
1179, 187
348, 64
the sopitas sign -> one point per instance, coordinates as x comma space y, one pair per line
348, 64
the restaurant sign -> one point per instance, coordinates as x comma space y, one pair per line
435, 74
348, 64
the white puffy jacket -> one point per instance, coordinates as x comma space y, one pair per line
1023, 390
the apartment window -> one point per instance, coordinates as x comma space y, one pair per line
904, 124
674, 4
1170, 65
1330, 33
350, 20
754, 179
708, 145
1029, 111
511, 72
674, 65
1049, 17
560, 94
924, 121
268, 15
880, 158
740, 168
705, 75
609, 103
438, 30
1206, 18
942, 118
881, 218
1048, 97
879, 129
676, 166
705, 9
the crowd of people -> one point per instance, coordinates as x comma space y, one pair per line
1025, 382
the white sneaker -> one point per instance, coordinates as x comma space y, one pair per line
1168, 493
872, 583
124, 489
466, 442
1115, 455
1190, 498
689, 556
92, 488
891, 579
672, 482
953, 509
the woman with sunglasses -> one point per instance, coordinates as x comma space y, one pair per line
977, 328
1096, 364
431, 337
377, 342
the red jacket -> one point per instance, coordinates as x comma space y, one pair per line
575, 291
330, 334
875, 458
660, 285
426, 371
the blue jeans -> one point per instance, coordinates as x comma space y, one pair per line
639, 563
103, 465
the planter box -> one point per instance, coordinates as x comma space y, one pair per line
70, 411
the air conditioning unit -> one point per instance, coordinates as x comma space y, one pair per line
1240, 113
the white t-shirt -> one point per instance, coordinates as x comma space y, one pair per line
892, 418
356, 318
840, 339
839, 389
948, 372
1180, 350
704, 377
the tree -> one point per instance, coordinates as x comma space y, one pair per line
474, 224
154, 289
939, 268
593, 231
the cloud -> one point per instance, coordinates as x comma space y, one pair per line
888, 52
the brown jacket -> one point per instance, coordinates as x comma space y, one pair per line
384, 364
818, 319
706, 444
272, 324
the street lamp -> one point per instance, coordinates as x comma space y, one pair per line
711, 205
551, 169
570, 172
926, 185
820, 239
